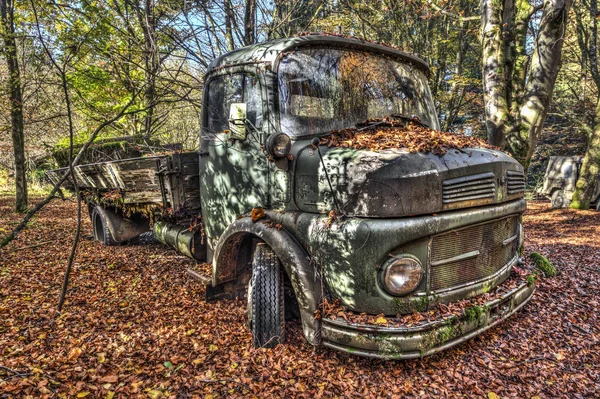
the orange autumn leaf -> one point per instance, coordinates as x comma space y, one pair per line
257, 214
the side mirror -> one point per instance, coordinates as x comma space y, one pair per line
237, 121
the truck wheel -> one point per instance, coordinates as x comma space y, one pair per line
100, 228
265, 299
559, 199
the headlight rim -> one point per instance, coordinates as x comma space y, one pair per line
387, 265
271, 142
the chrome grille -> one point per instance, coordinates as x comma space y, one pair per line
472, 253
467, 188
515, 182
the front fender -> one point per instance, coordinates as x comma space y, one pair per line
295, 261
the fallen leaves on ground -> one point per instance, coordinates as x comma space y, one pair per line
136, 325
412, 137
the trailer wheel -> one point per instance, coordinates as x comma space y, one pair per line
100, 228
265, 299
559, 199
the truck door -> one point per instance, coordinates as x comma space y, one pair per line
233, 172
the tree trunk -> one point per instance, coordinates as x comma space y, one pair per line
147, 20
545, 65
250, 23
229, 17
590, 169
515, 111
457, 88
520, 59
497, 117
16, 101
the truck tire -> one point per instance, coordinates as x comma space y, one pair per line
100, 228
559, 199
265, 299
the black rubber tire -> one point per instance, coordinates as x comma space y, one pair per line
559, 199
100, 228
265, 295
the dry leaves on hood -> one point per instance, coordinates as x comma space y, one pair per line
412, 137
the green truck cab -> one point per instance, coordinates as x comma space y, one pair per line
290, 223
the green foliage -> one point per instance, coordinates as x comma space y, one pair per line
101, 150
543, 264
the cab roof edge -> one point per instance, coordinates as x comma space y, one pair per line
270, 50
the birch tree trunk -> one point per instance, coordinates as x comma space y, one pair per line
515, 111
494, 72
545, 65
16, 101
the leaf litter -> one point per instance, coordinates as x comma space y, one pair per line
389, 133
136, 325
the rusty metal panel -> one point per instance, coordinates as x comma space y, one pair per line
472, 253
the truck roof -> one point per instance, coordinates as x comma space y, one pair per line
270, 50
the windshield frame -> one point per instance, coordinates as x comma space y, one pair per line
371, 48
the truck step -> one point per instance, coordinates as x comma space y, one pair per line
198, 276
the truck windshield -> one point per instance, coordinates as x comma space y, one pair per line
325, 89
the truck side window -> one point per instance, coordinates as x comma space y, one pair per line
227, 89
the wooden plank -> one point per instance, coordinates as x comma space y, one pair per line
142, 197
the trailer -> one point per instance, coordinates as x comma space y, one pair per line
295, 213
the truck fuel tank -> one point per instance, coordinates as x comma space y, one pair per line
185, 241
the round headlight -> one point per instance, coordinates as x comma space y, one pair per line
279, 145
402, 275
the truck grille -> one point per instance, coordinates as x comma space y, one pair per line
515, 181
468, 188
472, 253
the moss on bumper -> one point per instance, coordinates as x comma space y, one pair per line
424, 339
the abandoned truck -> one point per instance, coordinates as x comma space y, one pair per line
294, 225
560, 179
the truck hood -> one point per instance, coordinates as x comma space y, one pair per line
396, 183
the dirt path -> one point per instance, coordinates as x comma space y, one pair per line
136, 324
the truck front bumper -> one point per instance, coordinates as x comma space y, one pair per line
424, 339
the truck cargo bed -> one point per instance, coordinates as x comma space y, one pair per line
171, 181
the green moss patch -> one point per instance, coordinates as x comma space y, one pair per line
474, 313
543, 264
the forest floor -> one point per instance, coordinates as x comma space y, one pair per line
135, 324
